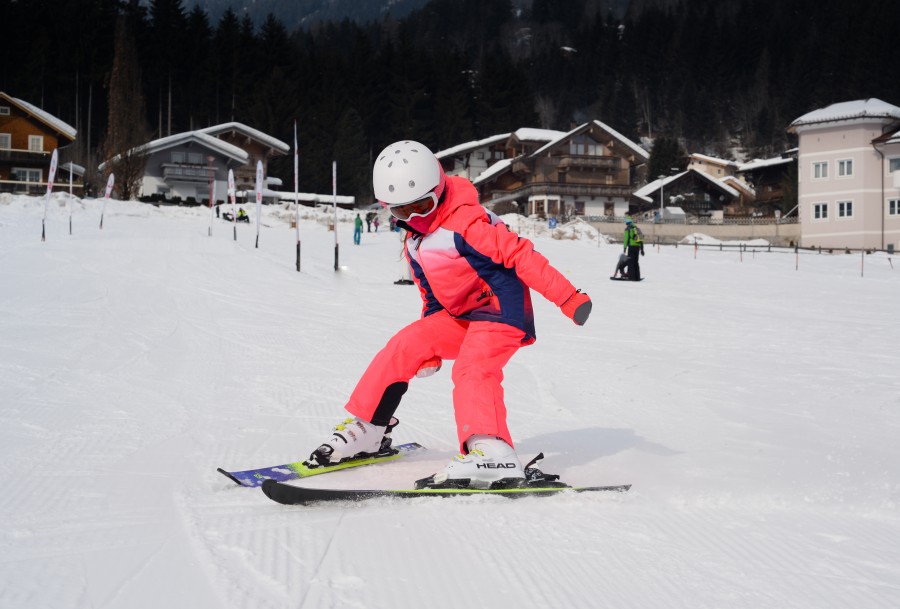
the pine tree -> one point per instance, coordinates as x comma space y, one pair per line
126, 127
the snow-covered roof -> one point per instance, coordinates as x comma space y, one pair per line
73, 168
170, 141
861, 109
282, 195
268, 140
473, 145
45, 117
760, 163
652, 187
209, 141
494, 170
530, 134
621, 138
713, 160
739, 184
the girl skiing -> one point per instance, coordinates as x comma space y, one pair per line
474, 277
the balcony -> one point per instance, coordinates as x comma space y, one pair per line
26, 157
182, 172
553, 188
589, 162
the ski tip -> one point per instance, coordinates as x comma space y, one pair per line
229, 476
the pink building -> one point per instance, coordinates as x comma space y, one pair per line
849, 175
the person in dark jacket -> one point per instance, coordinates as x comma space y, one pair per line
634, 246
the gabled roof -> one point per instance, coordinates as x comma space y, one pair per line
494, 170
250, 132
214, 143
470, 146
640, 152
859, 110
48, 119
171, 141
713, 160
652, 187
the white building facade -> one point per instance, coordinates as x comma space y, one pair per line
849, 175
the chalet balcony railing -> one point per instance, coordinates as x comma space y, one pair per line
13, 155
556, 189
589, 162
186, 173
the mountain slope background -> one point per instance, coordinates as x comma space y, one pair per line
718, 77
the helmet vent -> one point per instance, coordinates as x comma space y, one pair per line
391, 188
412, 184
391, 164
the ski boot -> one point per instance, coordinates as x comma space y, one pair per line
353, 439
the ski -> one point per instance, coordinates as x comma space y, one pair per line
289, 494
625, 279
299, 469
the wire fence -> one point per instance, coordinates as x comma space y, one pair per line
797, 251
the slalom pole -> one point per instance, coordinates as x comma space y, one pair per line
231, 196
212, 198
69, 202
259, 186
862, 263
53, 160
109, 186
334, 199
296, 196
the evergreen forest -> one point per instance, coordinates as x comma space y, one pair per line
720, 77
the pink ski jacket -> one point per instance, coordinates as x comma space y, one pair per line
472, 266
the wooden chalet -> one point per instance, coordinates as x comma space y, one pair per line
258, 146
774, 182
471, 159
28, 137
694, 192
591, 170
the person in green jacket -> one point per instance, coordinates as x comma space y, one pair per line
357, 230
634, 246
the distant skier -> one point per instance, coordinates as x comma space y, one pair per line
474, 277
357, 230
634, 246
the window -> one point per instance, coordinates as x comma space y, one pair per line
820, 170
894, 164
820, 211
195, 158
5, 141
845, 209
24, 174
178, 157
4, 110
845, 168
894, 207
35, 143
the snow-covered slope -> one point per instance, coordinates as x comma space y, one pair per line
755, 408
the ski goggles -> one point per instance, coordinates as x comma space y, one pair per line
417, 209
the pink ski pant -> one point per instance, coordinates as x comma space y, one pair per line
481, 350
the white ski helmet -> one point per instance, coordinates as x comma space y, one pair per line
406, 171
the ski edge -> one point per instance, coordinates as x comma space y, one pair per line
287, 494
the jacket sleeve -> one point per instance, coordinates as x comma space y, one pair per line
517, 253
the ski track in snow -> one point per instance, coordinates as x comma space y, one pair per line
753, 406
